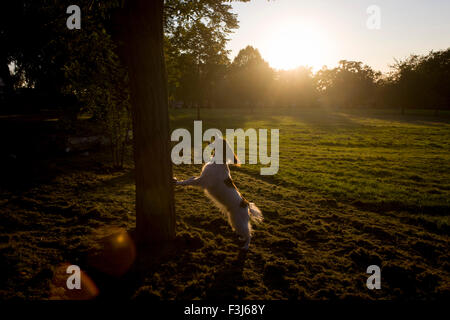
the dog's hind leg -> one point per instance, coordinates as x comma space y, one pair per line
247, 243
245, 234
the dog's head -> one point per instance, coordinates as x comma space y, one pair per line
224, 152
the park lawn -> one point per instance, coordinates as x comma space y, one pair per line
375, 159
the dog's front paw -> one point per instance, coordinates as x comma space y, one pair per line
174, 180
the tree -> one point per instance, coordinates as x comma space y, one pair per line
155, 213
250, 76
9, 27
295, 87
197, 58
196, 36
436, 71
423, 81
98, 78
406, 79
350, 84
68, 68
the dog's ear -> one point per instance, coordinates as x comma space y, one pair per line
235, 161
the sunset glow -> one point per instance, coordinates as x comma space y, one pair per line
293, 44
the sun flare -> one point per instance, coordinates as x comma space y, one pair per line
293, 44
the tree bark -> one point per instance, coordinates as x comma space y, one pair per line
155, 213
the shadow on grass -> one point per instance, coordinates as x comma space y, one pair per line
228, 279
411, 116
122, 271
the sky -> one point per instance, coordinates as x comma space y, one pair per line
290, 33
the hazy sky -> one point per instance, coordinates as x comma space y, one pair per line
322, 32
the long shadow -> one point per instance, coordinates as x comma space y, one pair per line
335, 117
228, 279
115, 183
321, 117
420, 117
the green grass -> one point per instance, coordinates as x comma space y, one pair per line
378, 159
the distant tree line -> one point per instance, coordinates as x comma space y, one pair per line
248, 81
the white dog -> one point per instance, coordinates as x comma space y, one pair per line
216, 181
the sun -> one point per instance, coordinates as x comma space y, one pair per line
293, 44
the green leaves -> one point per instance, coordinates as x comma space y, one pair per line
195, 47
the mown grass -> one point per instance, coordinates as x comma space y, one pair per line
373, 158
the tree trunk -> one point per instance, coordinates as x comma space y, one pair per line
155, 213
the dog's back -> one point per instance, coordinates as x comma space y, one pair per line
226, 198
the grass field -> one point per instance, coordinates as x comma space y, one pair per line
377, 159
354, 188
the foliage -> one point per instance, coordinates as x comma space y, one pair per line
83, 63
424, 81
100, 82
349, 84
249, 77
295, 88
196, 56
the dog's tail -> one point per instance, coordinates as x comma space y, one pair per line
255, 214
